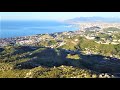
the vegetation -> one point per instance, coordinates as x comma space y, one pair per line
73, 56
60, 72
77, 58
111, 29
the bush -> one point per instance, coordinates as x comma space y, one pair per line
60, 72
5, 66
76, 56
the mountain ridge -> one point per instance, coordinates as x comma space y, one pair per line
94, 19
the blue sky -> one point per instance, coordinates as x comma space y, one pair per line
53, 15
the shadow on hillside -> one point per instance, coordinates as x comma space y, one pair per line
1, 49
24, 49
57, 57
101, 63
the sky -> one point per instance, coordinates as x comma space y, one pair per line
59, 16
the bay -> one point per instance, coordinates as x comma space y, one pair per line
26, 28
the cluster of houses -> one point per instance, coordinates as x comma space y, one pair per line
100, 24
93, 35
19, 40
30, 40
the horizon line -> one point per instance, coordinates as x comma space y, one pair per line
37, 19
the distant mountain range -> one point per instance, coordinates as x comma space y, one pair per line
93, 19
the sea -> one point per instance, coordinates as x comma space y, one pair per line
11, 28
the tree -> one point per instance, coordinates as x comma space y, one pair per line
97, 38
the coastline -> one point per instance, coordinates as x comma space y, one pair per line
31, 39
82, 28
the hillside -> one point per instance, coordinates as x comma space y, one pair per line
77, 58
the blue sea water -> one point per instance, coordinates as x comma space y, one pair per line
26, 28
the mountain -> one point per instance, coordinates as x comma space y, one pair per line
93, 19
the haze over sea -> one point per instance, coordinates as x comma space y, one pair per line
26, 28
